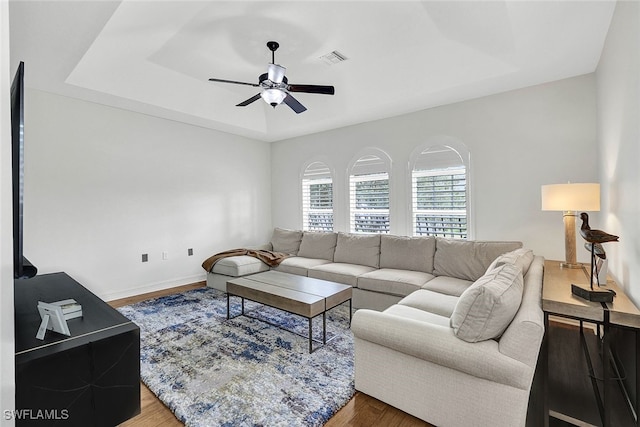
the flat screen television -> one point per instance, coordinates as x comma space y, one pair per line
22, 268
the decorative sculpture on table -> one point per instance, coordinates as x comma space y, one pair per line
594, 239
599, 262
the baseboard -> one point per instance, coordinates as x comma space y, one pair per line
159, 286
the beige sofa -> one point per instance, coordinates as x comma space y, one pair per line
448, 330
383, 269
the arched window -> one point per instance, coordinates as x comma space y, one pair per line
317, 198
439, 189
369, 193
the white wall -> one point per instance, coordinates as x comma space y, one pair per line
104, 185
518, 141
618, 95
7, 389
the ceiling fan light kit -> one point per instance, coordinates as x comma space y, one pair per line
273, 97
276, 88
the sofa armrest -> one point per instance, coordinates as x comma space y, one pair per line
437, 344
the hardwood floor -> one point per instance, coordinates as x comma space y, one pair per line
361, 410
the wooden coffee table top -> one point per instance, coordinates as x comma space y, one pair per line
297, 294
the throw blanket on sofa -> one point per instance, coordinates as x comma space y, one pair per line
271, 258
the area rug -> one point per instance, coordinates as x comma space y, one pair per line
211, 371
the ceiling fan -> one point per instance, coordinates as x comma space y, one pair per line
276, 88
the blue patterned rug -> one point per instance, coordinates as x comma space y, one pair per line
241, 372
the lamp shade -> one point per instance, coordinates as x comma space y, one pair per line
571, 197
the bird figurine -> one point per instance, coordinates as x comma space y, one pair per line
598, 250
594, 236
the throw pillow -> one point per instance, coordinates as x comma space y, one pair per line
520, 257
318, 245
287, 241
358, 249
487, 307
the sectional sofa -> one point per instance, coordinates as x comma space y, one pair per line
447, 330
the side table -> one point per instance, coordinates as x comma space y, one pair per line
557, 300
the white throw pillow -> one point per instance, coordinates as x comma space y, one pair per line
488, 306
287, 241
520, 257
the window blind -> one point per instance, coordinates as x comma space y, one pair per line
317, 198
369, 203
440, 202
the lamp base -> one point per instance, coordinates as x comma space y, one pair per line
591, 295
570, 265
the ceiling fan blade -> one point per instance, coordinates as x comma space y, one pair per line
294, 104
276, 73
323, 90
249, 101
234, 82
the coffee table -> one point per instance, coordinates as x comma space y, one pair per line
295, 294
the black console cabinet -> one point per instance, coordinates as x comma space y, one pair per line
91, 378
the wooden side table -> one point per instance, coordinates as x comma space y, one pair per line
557, 300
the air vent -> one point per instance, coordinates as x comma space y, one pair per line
332, 58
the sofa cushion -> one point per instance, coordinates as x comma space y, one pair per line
287, 241
299, 265
433, 302
339, 272
407, 253
239, 266
448, 285
393, 282
485, 310
467, 259
358, 249
417, 314
520, 257
318, 245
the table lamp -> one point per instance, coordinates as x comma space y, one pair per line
570, 198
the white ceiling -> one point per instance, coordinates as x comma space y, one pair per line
156, 57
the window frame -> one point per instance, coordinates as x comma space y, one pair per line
463, 154
353, 178
305, 190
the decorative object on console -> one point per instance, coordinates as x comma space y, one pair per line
55, 315
594, 239
52, 320
594, 236
570, 198
601, 264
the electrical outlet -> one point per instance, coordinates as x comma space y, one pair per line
190, 251
165, 255
145, 257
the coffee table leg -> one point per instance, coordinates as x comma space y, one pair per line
324, 327
243, 306
227, 306
310, 335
